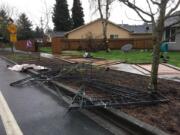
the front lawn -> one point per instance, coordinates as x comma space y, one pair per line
174, 58
3, 45
21, 57
129, 57
45, 49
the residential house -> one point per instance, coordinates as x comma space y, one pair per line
89, 36
172, 32
144, 30
94, 30
52, 34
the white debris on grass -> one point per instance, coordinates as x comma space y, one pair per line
87, 55
23, 67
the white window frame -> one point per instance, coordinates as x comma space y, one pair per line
114, 36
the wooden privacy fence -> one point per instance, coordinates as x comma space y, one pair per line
22, 45
60, 44
2, 45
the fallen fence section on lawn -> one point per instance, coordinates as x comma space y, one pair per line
93, 90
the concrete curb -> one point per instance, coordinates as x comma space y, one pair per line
136, 124
127, 120
123, 120
171, 66
8, 60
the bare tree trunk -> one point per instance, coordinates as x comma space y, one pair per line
105, 25
155, 66
158, 34
104, 21
12, 47
105, 39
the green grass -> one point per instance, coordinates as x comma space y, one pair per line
45, 49
5, 45
20, 57
174, 58
72, 53
130, 57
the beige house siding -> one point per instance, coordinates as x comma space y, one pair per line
95, 30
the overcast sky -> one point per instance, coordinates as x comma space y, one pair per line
35, 9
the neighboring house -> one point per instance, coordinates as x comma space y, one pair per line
144, 30
172, 32
51, 35
76, 39
57, 34
94, 30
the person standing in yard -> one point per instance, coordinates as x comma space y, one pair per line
164, 51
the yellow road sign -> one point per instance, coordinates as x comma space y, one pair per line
13, 38
12, 28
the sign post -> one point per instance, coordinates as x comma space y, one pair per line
29, 45
12, 29
13, 38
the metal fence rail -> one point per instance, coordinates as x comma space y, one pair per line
94, 90
107, 95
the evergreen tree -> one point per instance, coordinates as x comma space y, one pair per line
38, 33
24, 27
61, 17
77, 14
3, 26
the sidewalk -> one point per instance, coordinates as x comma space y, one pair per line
166, 71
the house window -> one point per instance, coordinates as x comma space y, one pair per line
171, 34
113, 36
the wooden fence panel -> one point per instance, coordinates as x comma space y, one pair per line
117, 44
56, 45
22, 45
60, 44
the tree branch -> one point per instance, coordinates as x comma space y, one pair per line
138, 10
173, 9
133, 6
140, 20
139, 14
150, 9
155, 2
99, 8
173, 15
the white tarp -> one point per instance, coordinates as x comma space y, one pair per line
26, 66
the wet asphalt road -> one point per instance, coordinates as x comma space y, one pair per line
38, 112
